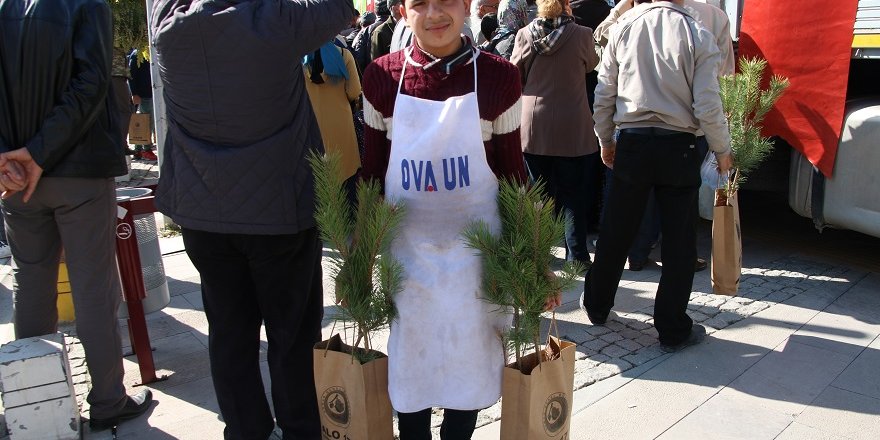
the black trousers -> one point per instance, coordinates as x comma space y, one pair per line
457, 424
570, 181
670, 165
248, 280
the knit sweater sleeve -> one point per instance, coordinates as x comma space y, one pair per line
506, 147
379, 89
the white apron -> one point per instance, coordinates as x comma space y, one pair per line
445, 348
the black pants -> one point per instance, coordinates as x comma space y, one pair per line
670, 165
457, 425
571, 183
248, 280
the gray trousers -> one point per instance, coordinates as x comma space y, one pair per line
81, 213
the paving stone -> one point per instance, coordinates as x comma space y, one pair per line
752, 308
644, 355
619, 365
615, 351
639, 325
728, 318
611, 337
615, 325
595, 345
715, 323
629, 344
773, 286
709, 311
599, 358
598, 330
742, 301
729, 306
697, 316
699, 299
646, 340
629, 333
651, 332
638, 317
793, 290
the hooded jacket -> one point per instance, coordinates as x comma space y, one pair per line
556, 118
55, 58
240, 124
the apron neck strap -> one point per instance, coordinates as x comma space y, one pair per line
407, 54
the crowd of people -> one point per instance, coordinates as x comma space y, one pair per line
435, 99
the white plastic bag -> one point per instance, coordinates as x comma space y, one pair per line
709, 172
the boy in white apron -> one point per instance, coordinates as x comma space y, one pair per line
442, 126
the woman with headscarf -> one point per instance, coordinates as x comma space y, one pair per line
553, 55
513, 15
333, 84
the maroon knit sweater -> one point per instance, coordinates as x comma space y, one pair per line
498, 97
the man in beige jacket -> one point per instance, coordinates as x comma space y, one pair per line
658, 82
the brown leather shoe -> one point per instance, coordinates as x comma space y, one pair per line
701, 264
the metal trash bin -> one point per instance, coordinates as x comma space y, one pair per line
155, 283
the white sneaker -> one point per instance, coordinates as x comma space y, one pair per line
5, 250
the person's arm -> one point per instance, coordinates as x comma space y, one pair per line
522, 55
725, 44
310, 23
602, 31
506, 140
605, 104
380, 42
79, 104
707, 99
592, 59
353, 83
377, 146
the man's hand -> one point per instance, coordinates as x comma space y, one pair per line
725, 162
32, 171
553, 300
135, 99
12, 177
608, 155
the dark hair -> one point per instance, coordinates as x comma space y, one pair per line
488, 25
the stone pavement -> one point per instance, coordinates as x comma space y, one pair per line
793, 356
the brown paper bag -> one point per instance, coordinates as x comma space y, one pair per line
538, 405
139, 132
352, 398
726, 244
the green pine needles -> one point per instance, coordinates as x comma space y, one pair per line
516, 265
367, 277
746, 105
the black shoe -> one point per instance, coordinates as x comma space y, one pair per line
698, 334
636, 267
701, 265
134, 406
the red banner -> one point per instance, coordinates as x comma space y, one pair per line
809, 42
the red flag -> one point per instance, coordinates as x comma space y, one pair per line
810, 43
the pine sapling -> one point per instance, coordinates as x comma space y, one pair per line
367, 277
516, 264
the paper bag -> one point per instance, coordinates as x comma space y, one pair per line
352, 398
139, 132
537, 405
726, 244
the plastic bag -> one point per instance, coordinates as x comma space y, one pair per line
709, 172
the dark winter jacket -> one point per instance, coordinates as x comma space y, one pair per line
140, 82
55, 58
240, 124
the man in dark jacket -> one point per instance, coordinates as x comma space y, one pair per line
141, 85
59, 144
380, 37
236, 179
